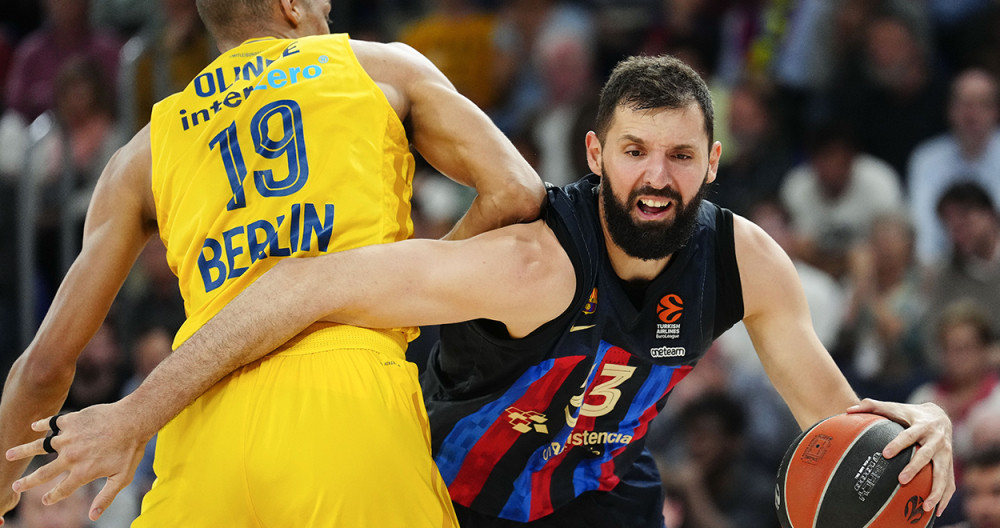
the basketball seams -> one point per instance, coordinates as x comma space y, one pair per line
785, 466
830, 477
836, 467
885, 505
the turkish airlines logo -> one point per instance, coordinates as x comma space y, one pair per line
670, 308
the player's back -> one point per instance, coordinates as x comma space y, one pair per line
279, 148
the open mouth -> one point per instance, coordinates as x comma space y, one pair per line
654, 207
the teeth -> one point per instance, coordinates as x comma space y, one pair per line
655, 203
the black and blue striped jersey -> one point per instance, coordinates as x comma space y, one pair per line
522, 426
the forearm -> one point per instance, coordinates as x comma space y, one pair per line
264, 316
24, 402
460, 141
492, 210
39, 380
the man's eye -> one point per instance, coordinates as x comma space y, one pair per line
633, 153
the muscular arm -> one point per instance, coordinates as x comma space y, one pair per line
802, 371
117, 227
777, 318
494, 275
456, 137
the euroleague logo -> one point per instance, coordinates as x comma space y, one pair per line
670, 308
913, 510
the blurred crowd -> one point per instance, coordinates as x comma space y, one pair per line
861, 134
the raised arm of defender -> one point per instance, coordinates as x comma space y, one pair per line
456, 137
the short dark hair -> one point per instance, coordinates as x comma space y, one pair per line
227, 18
645, 83
968, 194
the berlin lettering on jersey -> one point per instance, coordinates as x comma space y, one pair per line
276, 131
240, 246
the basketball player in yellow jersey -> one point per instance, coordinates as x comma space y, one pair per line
291, 144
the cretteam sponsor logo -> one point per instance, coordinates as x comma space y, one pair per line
670, 308
593, 441
591, 305
667, 352
525, 421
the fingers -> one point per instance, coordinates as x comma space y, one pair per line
107, 495
943, 486
41, 425
920, 458
27, 450
901, 442
64, 488
866, 405
41, 475
36, 447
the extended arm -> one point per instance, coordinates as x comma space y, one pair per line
777, 318
456, 137
494, 275
117, 227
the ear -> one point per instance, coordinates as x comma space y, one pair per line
594, 153
713, 162
290, 11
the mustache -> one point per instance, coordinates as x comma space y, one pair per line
665, 192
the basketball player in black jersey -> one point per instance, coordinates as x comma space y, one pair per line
576, 328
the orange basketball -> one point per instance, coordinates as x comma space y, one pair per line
834, 476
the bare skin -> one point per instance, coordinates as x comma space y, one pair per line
448, 130
496, 275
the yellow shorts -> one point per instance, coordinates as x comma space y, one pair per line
304, 440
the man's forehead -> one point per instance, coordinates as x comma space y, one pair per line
629, 123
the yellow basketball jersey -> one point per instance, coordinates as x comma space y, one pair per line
279, 148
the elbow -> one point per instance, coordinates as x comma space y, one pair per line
519, 200
42, 375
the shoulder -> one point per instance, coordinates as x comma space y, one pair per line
398, 70
753, 243
391, 61
766, 272
133, 168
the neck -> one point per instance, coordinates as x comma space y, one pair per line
278, 31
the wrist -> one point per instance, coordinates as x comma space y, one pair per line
143, 416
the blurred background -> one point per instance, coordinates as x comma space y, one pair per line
861, 134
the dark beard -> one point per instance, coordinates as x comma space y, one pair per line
654, 240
